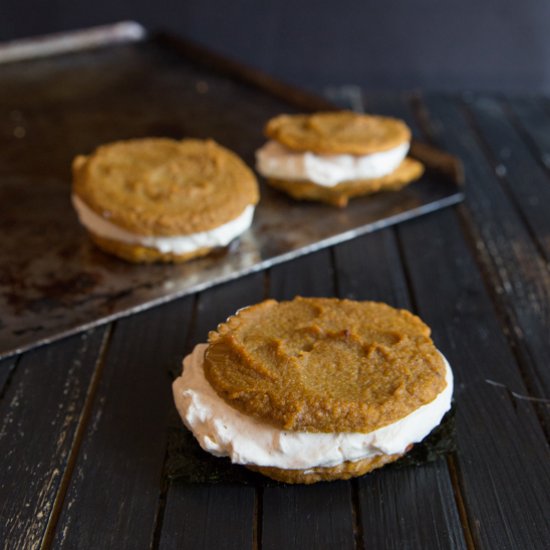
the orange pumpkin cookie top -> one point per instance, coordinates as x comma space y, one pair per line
164, 187
324, 364
340, 132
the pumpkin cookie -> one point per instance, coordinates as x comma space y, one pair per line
315, 388
310, 156
158, 199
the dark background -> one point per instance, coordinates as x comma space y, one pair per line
386, 45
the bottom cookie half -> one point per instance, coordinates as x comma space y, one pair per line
346, 470
142, 254
339, 195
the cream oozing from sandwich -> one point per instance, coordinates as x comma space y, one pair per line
177, 244
222, 430
274, 160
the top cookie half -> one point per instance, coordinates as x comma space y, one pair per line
334, 133
164, 187
324, 365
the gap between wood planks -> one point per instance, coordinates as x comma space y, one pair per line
473, 237
459, 499
83, 421
258, 519
356, 515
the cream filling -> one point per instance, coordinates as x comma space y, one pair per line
224, 431
274, 160
180, 244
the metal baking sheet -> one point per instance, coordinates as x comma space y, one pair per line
53, 281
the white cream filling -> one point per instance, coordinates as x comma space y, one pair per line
224, 431
274, 160
181, 244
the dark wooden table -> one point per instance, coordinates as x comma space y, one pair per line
84, 421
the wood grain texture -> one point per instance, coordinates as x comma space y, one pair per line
311, 275
208, 517
370, 268
527, 183
112, 499
318, 516
409, 507
532, 115
516, 274
39, 416
213, 517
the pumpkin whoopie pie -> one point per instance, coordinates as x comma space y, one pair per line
314, 389
333, 156
158, 199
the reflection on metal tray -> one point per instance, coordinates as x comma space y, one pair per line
53, 282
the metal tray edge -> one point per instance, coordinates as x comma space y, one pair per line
66, 42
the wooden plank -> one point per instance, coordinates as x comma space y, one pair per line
213, 516
410, 507
533, 116
527, 183
306, 516
112, 498
369, 268
39, 419
518, 276
209, 517
316, 516
311, 275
